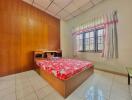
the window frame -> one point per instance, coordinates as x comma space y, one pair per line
95, 41
82, 43
99, 51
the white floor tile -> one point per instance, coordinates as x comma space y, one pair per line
120, 92
8, 77
73, 96
31, 74
21, 81
32, 96
43, 92
5, 92
24, 92
95, 93
30, 86
7, 84
21, 75
120, 89
36, 84
121, 79
53, 96
22, 86
11, 96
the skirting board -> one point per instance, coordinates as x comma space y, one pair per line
117, 73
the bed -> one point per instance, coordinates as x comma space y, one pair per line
64, 75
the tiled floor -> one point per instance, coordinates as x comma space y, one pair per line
30, 86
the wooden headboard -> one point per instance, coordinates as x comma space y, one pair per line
40, 54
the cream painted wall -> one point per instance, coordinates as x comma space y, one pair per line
124, 8
66, 40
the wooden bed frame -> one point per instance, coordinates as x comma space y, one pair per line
65, 87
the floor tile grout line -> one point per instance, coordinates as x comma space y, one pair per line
130, 92
111, 86
27, 94
8, 88
15, 87
48, 94
39, 89
33, 89
14, 79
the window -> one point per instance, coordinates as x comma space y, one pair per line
100, 41
91, 41
80, 42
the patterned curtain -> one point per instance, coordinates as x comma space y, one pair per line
110, 36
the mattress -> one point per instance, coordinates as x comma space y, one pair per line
63, 68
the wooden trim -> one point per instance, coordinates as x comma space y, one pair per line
66, 87
117, 73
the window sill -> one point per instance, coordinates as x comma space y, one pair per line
91, 51
80, 51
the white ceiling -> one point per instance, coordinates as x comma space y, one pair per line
63, 9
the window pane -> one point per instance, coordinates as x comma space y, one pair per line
91, 46
79, 39
86, 35
86, 41
91, 34
91, 43
100, 46
100, 39
87, 47
100, 32
91, 40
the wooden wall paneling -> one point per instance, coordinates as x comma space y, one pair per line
23, 29
3, 47
14, 45
26, 44
10, 43
53, 35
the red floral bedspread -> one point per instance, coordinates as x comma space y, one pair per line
63, 68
